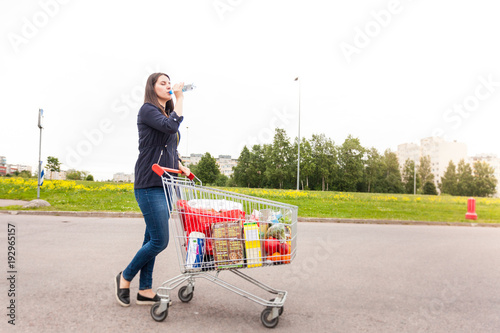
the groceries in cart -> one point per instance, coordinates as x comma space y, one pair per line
201, 219
230, 238
228, 246
252, 245
275, 233
195, 250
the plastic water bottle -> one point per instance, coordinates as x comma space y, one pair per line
187, 87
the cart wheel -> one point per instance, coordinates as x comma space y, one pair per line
158, 316
265, 321
183, 296
280, 312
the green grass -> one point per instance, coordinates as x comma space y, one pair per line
100, 196
381, 206
66, 195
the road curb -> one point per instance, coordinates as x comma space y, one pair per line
400, 222
70, 213
301, 219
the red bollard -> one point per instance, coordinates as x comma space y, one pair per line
471, 209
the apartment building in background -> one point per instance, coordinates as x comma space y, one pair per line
6, 169
408, 151
226, 164
191, 159
440, 151
123, 177
55, 175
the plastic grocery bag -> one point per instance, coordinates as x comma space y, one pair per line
217, 205
200, 219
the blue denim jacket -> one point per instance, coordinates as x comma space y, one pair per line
157, 134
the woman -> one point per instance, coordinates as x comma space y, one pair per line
158, 123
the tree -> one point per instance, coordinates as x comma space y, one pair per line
221, 180
373, 169
231, 182
409, 177
484, 179
429, 188
465, 184
25, 174
390, 179
257, 167
307, 163
73, 174
53, 165
449, 181
324, 156
425, 171
240, 172
350, 161
192, 168
207, 170
251, 167
90, 178
279, 168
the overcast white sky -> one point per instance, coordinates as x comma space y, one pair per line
387, 72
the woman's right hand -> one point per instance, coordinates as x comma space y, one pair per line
177, 89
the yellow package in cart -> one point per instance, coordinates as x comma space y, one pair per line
252, 244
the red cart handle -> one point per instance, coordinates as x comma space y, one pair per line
159, 170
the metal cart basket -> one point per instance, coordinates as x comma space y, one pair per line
216, 230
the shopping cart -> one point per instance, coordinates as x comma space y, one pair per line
216, 230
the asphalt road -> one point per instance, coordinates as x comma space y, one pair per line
346, 278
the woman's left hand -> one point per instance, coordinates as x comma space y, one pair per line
185, 170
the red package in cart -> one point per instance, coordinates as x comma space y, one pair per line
201, 220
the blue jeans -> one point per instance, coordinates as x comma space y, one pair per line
154, 207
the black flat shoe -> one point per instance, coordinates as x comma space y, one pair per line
143, 300
122, 295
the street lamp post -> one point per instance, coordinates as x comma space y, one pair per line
40, 126
415, 176
298, 143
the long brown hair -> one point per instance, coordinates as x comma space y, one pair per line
151, 97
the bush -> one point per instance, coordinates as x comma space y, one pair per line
231, 182
221, 180
430, 188
90, 178
25, 174
74, 175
